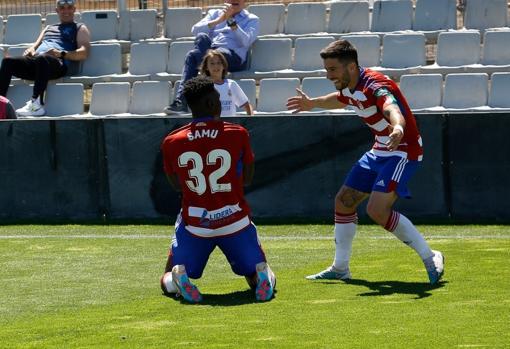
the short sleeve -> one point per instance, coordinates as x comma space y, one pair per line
167, 156
382, 96
238, 96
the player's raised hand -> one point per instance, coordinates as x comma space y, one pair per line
298, 103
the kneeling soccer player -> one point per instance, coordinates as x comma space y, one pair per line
210, 161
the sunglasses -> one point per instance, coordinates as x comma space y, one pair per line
66, 2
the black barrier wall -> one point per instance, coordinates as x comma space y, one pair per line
111, 168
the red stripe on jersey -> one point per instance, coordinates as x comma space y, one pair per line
364, 97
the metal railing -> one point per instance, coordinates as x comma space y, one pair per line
8, 7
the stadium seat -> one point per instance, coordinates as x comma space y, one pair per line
64, 99
147, 59
392, 15
495, 52
307, 61
306, 18
137, 25
434, 16
455, 51
22, 29
103, 25
249, 88
483, 14
179, 21
16, 51
272, 17
500, 90
273, 94
349, 17
369, 48
1, 30
103, 63
269, 55
109, 98
317, 86
19, 94
150, 97
465, 91
176, 53
402, 54
422, 91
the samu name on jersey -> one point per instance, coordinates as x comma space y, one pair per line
367, 100
208, 158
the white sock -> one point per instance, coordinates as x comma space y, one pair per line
168, 284
344, 234
406, 232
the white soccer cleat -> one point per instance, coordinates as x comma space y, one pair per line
435, 267
31, 108
331, 273
266, 281
184, 287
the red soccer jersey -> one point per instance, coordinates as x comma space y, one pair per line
208, 155
367, 100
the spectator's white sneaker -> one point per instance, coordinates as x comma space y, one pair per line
31, 108
435, 267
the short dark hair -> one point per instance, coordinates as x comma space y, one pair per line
196, 88
342, 50
210, 54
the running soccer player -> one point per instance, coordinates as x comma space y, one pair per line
210, 161
382, 173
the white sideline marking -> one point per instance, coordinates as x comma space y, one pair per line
269, 238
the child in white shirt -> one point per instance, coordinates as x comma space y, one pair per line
232, 96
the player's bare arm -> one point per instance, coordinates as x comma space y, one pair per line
302, 102
392, 111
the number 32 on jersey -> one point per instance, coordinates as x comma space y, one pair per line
197, 182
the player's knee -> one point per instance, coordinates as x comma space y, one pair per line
344, 204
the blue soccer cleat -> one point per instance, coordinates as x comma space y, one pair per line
185, 288
265, 282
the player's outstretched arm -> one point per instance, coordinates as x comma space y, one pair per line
302, 102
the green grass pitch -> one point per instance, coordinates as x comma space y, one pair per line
98, 287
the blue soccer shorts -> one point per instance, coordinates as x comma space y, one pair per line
242, 249
382, 173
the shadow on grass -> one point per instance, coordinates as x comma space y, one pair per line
226, 299
386, 288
